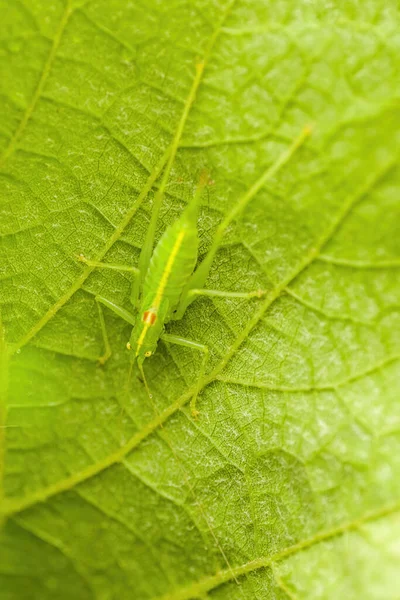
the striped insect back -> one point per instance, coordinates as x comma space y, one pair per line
172, 263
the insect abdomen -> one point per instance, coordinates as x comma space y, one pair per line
172, 263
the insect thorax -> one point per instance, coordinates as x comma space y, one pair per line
148, 328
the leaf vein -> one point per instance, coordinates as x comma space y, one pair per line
40, 86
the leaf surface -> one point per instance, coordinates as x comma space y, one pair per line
287, 485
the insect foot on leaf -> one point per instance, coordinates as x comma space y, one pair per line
195, 413
103, 359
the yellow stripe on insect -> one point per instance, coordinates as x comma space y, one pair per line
149, 321
168, 268
142, 336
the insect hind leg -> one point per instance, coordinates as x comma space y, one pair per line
179, 341
199, 277
195, 293
223, 294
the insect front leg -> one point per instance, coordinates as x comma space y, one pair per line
179, 341
118, 310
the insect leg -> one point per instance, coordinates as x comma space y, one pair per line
200, 275
222, 294
194, 293
113, 267
124, 268
118, 310
179, 341
107, 348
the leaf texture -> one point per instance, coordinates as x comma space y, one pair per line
287, 485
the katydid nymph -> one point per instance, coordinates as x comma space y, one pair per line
167, 281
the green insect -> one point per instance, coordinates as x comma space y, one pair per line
167, 281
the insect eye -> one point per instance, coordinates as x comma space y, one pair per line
148, 353
129, 347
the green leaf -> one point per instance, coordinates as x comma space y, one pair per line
288, 483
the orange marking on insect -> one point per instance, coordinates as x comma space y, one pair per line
149, 317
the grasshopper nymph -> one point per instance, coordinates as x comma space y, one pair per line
167, 280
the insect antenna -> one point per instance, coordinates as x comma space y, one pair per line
146, 385
129, 377
125, 394
150, 395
